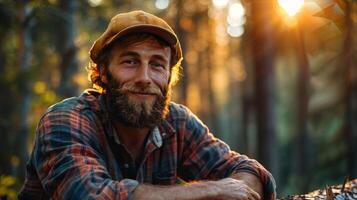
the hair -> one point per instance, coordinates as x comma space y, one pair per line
95, 69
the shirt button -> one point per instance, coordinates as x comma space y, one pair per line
126, 165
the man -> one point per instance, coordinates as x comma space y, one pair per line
126, 140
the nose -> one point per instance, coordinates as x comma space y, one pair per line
143, 75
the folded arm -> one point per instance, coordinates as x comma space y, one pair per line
68, 161
228, 188
205, 157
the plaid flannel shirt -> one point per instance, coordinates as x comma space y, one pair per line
77, 155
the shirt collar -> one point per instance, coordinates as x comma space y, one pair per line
155, 137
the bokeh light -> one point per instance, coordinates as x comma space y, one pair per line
235, 31
94, 3
220, 3
162, 4
236, 15
291, 7
236, 22
236, 10
39, 87
236, 19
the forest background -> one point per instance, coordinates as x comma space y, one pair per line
277, 82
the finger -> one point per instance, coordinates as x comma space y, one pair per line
248, 194
254, 194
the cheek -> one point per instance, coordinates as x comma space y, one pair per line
161, 78
123, 75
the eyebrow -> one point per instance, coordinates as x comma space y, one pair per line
129, 53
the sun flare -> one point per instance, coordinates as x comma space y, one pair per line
291, 6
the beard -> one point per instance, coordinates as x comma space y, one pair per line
136, 113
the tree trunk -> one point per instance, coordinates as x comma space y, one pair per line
6, 107
238, 139
181, 33
214, 114
67, 48
350, 94
303, 145
24, 53
263, 49
248, 103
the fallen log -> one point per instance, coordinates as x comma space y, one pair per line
345, 191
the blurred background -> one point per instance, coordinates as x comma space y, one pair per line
275, 79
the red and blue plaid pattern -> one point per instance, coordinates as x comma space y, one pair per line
75, 155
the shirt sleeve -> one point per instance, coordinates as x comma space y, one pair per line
206, 157
69, 162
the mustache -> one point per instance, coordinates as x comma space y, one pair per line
137, 89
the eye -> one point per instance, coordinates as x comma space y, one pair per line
158, 65
129, 62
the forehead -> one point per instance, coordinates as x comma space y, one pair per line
150, 43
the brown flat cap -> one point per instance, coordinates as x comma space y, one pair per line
136, 22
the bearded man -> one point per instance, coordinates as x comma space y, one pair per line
125, 139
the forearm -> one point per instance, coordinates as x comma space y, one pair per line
251, 180
228, 188
194, 191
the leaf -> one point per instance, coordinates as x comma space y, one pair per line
333, 12
6, 181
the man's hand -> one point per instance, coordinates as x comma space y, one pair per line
251, 180
225, 189
233, 189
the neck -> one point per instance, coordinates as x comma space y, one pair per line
132, 138
131, 135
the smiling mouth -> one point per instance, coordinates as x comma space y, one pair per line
142, 94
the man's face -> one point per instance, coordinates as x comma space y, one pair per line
137, 83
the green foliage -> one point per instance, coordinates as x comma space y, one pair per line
7, 188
